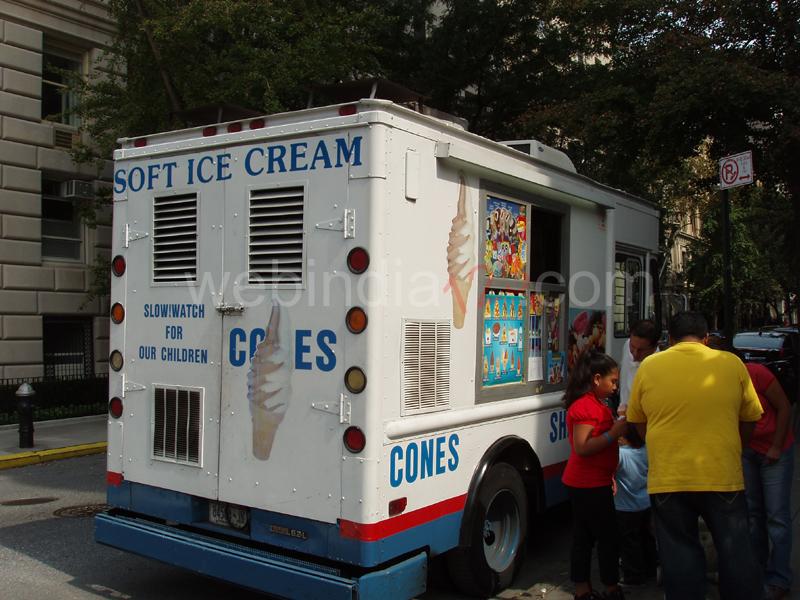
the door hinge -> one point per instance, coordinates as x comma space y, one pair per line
132, 236
342, 408
346, 224
229, 309
130, 386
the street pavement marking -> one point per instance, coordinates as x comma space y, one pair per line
21, 459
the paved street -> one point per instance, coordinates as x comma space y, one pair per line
47, 549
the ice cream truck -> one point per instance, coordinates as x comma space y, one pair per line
339, 344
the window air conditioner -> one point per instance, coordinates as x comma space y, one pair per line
78, 189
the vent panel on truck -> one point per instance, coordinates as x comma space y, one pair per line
426, 366
276, 236
177, 422
175, 238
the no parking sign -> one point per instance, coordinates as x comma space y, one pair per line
736, 170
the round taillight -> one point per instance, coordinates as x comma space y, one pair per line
117, 313
234, 127
348, 109
115, 360
115, 407
354, 439
209, 131
357, 260
355, 380
118, 265
257, 123
356, 319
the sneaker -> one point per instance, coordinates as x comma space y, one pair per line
775, 592
632, 581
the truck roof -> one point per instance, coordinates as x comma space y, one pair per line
454, 143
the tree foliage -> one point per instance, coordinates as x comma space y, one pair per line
645, 95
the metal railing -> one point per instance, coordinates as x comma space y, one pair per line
56, 398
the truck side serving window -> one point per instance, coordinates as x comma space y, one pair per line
629, 290
522, 330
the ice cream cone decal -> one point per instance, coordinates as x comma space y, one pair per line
461, 255
269, 382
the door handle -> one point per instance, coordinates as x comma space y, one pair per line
229, 309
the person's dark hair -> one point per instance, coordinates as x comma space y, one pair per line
645, 328
686, 324
590, 363
633, 437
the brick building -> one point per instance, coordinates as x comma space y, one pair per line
47, 328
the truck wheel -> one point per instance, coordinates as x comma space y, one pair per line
497, 542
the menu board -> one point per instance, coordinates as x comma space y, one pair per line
535, 361
553, 320
505, 239
503, 337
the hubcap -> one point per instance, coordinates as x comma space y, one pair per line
501, 531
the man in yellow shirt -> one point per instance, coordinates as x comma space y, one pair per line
694, 404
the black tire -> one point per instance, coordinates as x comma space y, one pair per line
497, 542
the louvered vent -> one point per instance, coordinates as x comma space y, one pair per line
177, 421
175, 238
63, 139
426, 366
276, 236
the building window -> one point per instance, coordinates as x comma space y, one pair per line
62, 229
67, 347
58, 103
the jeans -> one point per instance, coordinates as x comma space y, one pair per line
768, 489
683, 560
637, 548
593, 518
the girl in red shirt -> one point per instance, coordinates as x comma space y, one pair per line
593, 458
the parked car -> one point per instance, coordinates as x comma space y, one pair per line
778, 349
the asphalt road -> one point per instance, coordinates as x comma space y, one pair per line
47, 550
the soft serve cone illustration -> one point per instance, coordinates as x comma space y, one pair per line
461, 255
269, 382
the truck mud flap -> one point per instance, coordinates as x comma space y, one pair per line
257, 569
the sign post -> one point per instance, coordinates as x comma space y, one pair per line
734, 171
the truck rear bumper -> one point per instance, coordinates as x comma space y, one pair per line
255, 568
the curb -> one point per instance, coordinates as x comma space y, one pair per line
21, 459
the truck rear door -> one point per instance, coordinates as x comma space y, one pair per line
172, 337
283, 331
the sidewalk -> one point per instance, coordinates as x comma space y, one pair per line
53, 440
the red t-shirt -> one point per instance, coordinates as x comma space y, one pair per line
761, 441
595, 470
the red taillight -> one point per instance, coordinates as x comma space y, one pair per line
115, 407
139, 142
397, 506
354, 439
234, 127
349, 109
257, 123
210, 130
357, 260
118, 265
114, 479
356, 319
117, 313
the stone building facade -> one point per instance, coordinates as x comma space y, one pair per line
47, 327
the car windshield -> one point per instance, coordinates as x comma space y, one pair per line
754, 340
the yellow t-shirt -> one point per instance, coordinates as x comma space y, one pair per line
692, 398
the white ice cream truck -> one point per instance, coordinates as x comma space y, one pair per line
339, 344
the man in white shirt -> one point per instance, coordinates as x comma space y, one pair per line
643, 342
